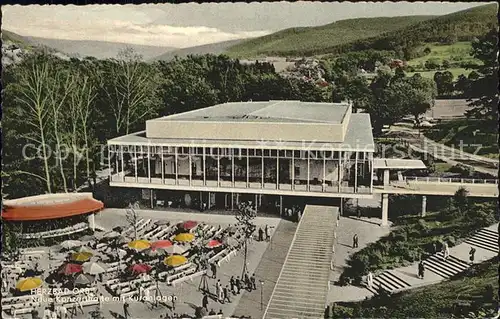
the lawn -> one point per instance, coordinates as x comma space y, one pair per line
442, 167
476, 292
461, 132
413, 236
459, 51
430, 74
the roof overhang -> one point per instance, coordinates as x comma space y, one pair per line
397, 163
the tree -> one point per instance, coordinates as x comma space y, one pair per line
484, 84
460, 199
432, 64
132, 218
421, 96
461, 84
245, 216
444, 82
446, 64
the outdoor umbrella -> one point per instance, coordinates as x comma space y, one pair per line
139, 268
68, 244
112, 234
139, 244
84, 279
81, 256
162, 222
190, 224
93, 268
175, 249
154, 252
175, 260
69, 269
213, 243
161, 244
84, 249
184, 237
28, 283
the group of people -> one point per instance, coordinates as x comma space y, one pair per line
263, 232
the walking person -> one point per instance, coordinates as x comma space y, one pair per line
247, 282
355, 241
446, 251
421, 269
126, 312
238, 285
232, 282
261, 234
225, 293
267, 233
213, 268
369, 280
218, 290
252, 279
204, 301
471, 254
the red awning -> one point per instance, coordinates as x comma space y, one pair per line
53, 211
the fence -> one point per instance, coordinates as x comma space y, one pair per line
428, 179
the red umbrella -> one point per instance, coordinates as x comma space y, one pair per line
161, 244
140, 268
213, 243
189, 224
69, 268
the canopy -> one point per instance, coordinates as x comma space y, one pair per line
84, 279
175, 249
213, 243
93, 268
190, 224
140, 268
184, 237
69, 269
51, 211
154, 252
81, 256
28, 283
175, 260
161, 244
139, 244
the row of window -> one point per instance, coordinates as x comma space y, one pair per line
133, 150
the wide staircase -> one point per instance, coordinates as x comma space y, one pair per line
486, 239
302, 287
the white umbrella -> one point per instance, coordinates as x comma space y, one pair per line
175, 249
68, 244
93, 268
154, 252
111, 234
84, 249
84, 279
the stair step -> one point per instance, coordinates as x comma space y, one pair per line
482, 244
490, 237
396, 278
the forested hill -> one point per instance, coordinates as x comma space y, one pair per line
399, 34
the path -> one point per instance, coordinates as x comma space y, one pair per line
268, 271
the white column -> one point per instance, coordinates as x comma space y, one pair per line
386, 177
109, 163
232, 166
262, 168
149, 164
277, 169
281, 205
151, 196
356, 173
176, 168
232, 201
248, 169
116, 160
218, 167
208, 206
308, 155
370, 160
385, 209
340, 169
256, 204
204, 168
190, 167
324, 172
162, 167
91, 221
135, 162
123, 164
293, 170
424, 206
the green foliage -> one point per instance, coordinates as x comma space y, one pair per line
444, 82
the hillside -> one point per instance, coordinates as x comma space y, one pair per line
394, 34
98, 49
318, 40
213, 48
16, 39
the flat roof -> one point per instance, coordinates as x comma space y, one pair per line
358, 137
397, 163
269, 111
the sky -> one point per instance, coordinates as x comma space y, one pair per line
186, 25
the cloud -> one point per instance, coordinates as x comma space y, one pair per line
105, 24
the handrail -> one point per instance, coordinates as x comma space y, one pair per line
431, 179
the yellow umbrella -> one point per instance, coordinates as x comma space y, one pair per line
184, 237
83, 256
28, 283
139, 244
175, 260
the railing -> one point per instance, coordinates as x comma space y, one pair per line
429, 179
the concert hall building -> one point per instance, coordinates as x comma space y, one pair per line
268, 153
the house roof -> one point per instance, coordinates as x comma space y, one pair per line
397, 163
